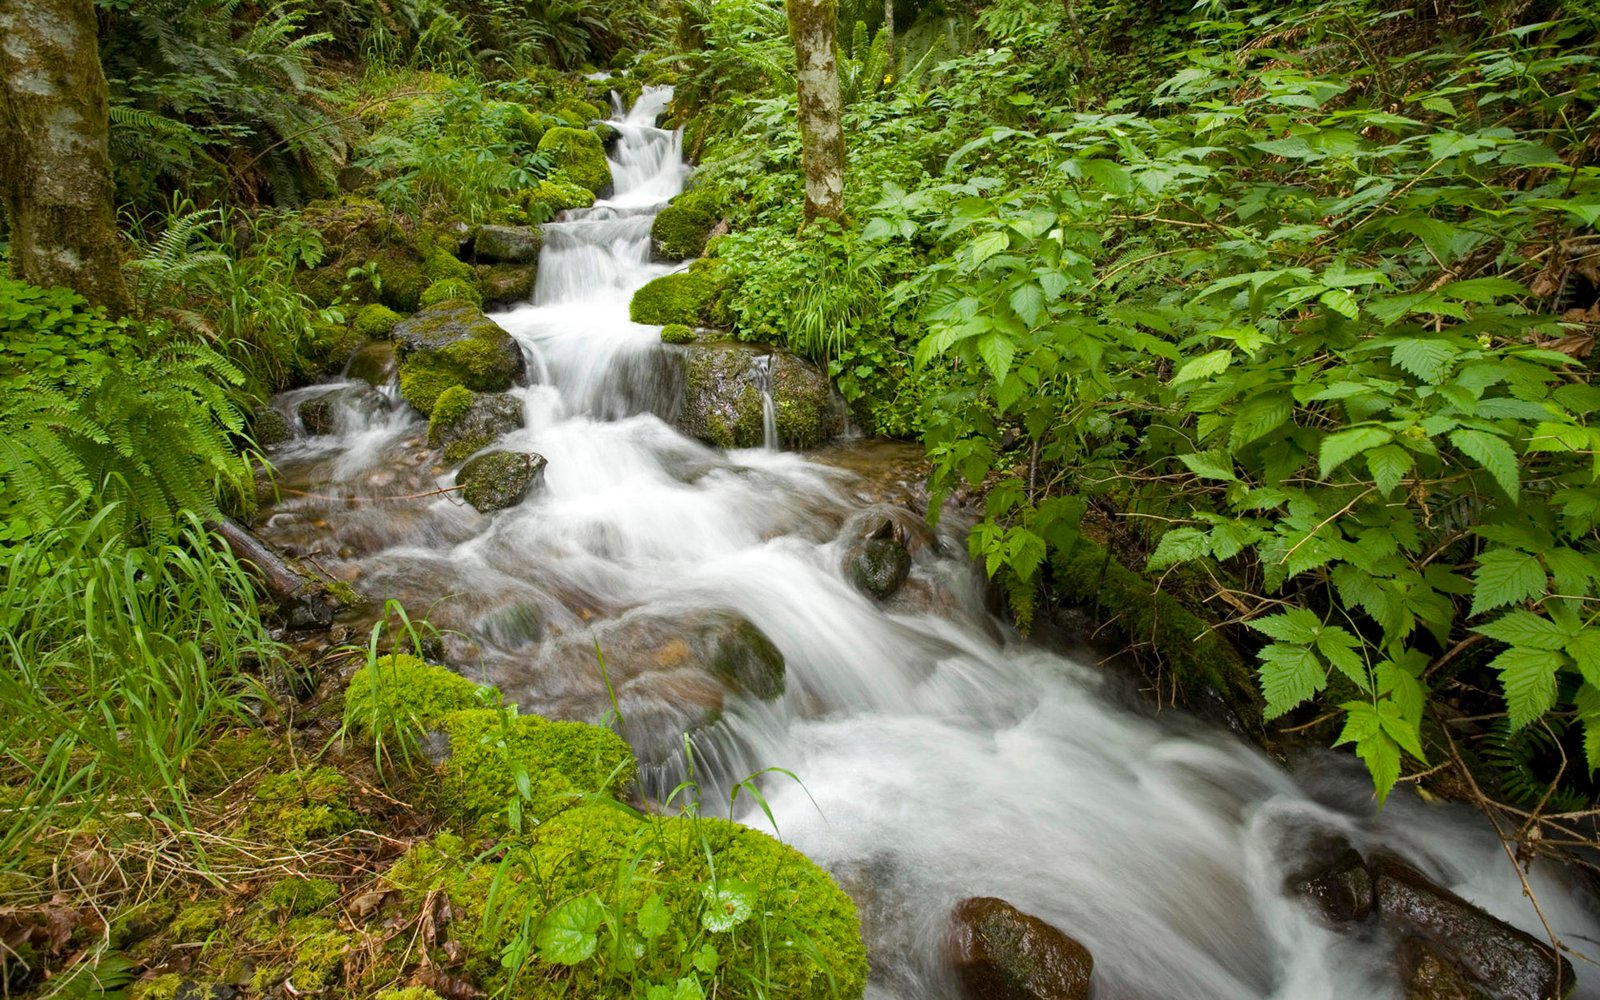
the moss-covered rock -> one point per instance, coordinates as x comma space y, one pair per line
677, 333
454, 343
340, 408
681, 229
578, 153
508, 244
609, 134
764, 892
496, 480
402, 693
490, 748
328, 349
452, 290
373, 363
375, 322
692, 298
268, 427
464, 421
301, 896
507, 285
553, 195
722, 403
577, 113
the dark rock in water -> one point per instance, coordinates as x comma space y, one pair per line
268, 427
321, 414
496, 480
1335, 881
722, 402
508, 244
454, 343
1001, 953
609, 134
1503, 961
373, 363
877, 560
507, 285
460, 432
1427, 975
744, 658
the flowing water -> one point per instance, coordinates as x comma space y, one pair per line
941, 758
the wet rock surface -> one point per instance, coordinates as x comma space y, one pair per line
1427, 975
722, 396
1508, 963
507, 244
454, 343
1000, 953
496, 480
876, 559
489, 415
373, 363
340, 407
1334, 881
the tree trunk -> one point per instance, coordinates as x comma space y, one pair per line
812, 24
888, 39
55, 167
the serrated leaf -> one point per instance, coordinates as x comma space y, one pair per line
1505, 576
1297, 625
1524, 628
1289, 676
568, 934
1341, 302
1205, 366
1483, 290
1584, 648
688, 988
1027, 301
986, 245
653, 919
1388, 466
706, 958
1428, 360
1210, 465
1364, 727
1341, 447
1178, 545
997, 351
1400, 729
1529, 678
1338, 647
1492, 453
1587, 701
1259, 417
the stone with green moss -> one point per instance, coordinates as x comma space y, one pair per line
268, 427
508, 244
694, 297
442, 265
492, 751
400, 279
578, 154
553, 195
299, 806
677, 333
681, 229
196, 922
506, 285
609, 134
454, 343
375, 322
578, 113
328, 348
464, 421
496, 480
374, 363
452, 290
723, 405
302, 896
401, 692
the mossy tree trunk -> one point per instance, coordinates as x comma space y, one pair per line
888, 37
812, 25
55, 167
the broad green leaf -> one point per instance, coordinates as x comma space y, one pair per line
1263, 414
997, 350
1506, 576
1289, 676
1205, 366
706, 958
653, 919
986, 245
1493, 454
1297, 625
1364, 727
729, 903
1524, 628
1027, 301
1587, 701
1341, 302
688, 987
1176, 546
1339, 448
568, 934
1210, 465
1584, 648
1483, 290
1529, 679
1388, 466
1401, 729
1338, 647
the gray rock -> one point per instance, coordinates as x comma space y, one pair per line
722, 403
1427, 975
1334, 880
496, 480
490, 415
877, 560
1001, 953
339, 407
1503, 961
268, 427
507, 284
508, 244
454, 343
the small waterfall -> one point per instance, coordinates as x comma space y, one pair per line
940, 756
769, 412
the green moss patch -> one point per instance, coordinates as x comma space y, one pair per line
677, 333
452, 290
691, 298
494, 754
453, 343
375, 322
681, 229
579, 154
302, 805
401, 692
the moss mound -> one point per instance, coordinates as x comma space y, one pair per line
401, 692
451, 290
453, 343
555, 194
579, 154
677, 333
299, 806
691, 298
375, 322
495, 755
681, 229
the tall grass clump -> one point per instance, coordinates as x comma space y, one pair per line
117, 662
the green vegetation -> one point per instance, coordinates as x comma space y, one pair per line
577, 153
685, 298
680, 231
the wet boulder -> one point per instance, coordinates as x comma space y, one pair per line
506, 285
723, 401
1497, 958
464, 421
876, 559
340, 407
268, 427
496, 480
743, 658
1427, 975
373, 363
1334, 880
454, 343
508, 244
1000, 953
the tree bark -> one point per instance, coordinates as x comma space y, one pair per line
812, 26
888, 39
55, 164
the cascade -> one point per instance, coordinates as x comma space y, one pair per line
941, 757
769, 409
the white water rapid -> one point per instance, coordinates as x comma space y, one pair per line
945, 758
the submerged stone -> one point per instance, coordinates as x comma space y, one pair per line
325, 413
1334, 880
496, 480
